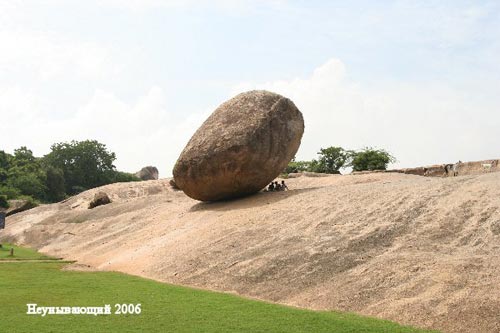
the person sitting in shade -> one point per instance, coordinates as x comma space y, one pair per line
270, 188
277, 186
283, 186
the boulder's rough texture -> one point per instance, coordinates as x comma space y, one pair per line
100, 198
148, 173
17, 206
244, 144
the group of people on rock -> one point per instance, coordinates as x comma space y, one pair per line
275, 186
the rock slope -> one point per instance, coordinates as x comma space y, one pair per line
421, 251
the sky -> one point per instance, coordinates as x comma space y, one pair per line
420, 79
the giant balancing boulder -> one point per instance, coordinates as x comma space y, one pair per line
244, 144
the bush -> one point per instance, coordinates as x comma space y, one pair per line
69, 168
371, 159
78, 189
85, 164
29, 184
123, 177
297, 166
10, 192
330, 160
30, 201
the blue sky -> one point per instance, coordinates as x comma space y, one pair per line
418, 78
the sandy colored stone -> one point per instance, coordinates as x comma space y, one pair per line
419, 250
245, 144
100, 199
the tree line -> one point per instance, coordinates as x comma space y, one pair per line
332, 159
69, 168
76, 166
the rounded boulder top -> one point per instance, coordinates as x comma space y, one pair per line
148, 173
241, 147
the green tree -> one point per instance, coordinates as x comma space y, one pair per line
3, 201
297, 166
29, 184
4, 160
4, 166
24, 158
56, 190
10, 192
85, 164
25, 175
330, 160
371, 159
123, 177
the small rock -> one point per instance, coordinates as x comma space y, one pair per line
495, 227
148, 173
100, 198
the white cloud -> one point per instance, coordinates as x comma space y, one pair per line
183, 3
420, 123
16, 107
140, 133
56, 85
48, 56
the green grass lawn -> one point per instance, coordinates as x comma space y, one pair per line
165, 308
20, 253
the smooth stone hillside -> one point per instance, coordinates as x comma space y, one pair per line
244, 144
